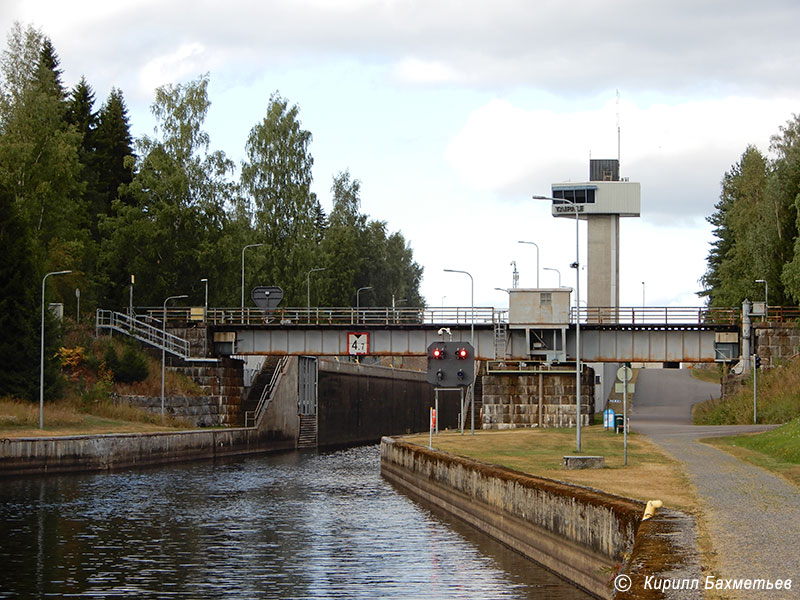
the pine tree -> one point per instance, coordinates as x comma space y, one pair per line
114, 153
19, 368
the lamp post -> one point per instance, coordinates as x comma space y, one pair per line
308, 284
41, 355
537, 259
358, 297
471, 337
576, 265
643, 305
204, 280
163, 350
471, 303
243, 249
556, 270
766, 295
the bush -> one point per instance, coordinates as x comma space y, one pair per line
132, 367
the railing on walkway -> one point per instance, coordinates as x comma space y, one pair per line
142, 331
252, 418
455, 316
331, 316
653, 315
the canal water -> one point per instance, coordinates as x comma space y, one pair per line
294, 525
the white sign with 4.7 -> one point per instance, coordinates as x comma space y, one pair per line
358, 343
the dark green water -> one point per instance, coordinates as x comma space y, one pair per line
295, 525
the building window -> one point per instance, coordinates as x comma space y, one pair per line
546, 299
577, 195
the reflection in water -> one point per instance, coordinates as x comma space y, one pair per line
295, 525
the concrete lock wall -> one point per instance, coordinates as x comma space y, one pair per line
360, 403
581, 534
536, 400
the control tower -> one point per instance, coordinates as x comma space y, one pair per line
601, 201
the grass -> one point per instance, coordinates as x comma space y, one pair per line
712, 374
777, 450
778, 400
650, 473
69, 417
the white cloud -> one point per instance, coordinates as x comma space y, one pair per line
186, 61
678, 152
418, 71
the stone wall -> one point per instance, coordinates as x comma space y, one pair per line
536, 400
577, 533
584, 535
776, 343
199, 411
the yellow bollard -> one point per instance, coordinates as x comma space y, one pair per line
650, 509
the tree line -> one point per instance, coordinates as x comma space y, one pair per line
756, 226
79, 193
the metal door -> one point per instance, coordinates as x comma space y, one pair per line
307, 385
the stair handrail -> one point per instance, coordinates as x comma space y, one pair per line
143, 332
266, 395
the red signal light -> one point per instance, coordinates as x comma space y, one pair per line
461, 353
438, 353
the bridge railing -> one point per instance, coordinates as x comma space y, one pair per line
145, 332
654, 315
330, 316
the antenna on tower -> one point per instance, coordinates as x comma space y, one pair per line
618, 132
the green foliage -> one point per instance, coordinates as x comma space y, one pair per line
77, 193
756, 226
778, 400
130, 368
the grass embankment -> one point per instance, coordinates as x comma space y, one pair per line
650, 473
778, 400
93, 372
65, 417
777, 450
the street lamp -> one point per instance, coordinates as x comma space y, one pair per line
358, 296
577, 314
205, 315
243, 249
766, 295
471, 337
472, 304
163, 349
41, 356
537, 258
308, 284
556, 270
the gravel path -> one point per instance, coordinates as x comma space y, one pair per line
753, 516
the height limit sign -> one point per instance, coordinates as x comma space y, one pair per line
358, 343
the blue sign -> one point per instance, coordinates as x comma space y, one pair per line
608, 419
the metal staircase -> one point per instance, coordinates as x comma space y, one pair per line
500, 339
144, 332
252, 418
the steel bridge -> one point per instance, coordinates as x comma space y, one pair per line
618, 334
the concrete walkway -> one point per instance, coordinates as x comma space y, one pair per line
753, 516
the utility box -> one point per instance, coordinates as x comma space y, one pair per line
538, 306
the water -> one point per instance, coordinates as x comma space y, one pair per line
295, 525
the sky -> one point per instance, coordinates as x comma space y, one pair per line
453, 114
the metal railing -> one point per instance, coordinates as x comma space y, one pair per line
332, 316
652, 315
256, 415
142, 331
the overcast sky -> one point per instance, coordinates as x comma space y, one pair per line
454, 113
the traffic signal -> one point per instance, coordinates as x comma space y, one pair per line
451, 364
757, 360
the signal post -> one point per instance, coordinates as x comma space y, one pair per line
451, 367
